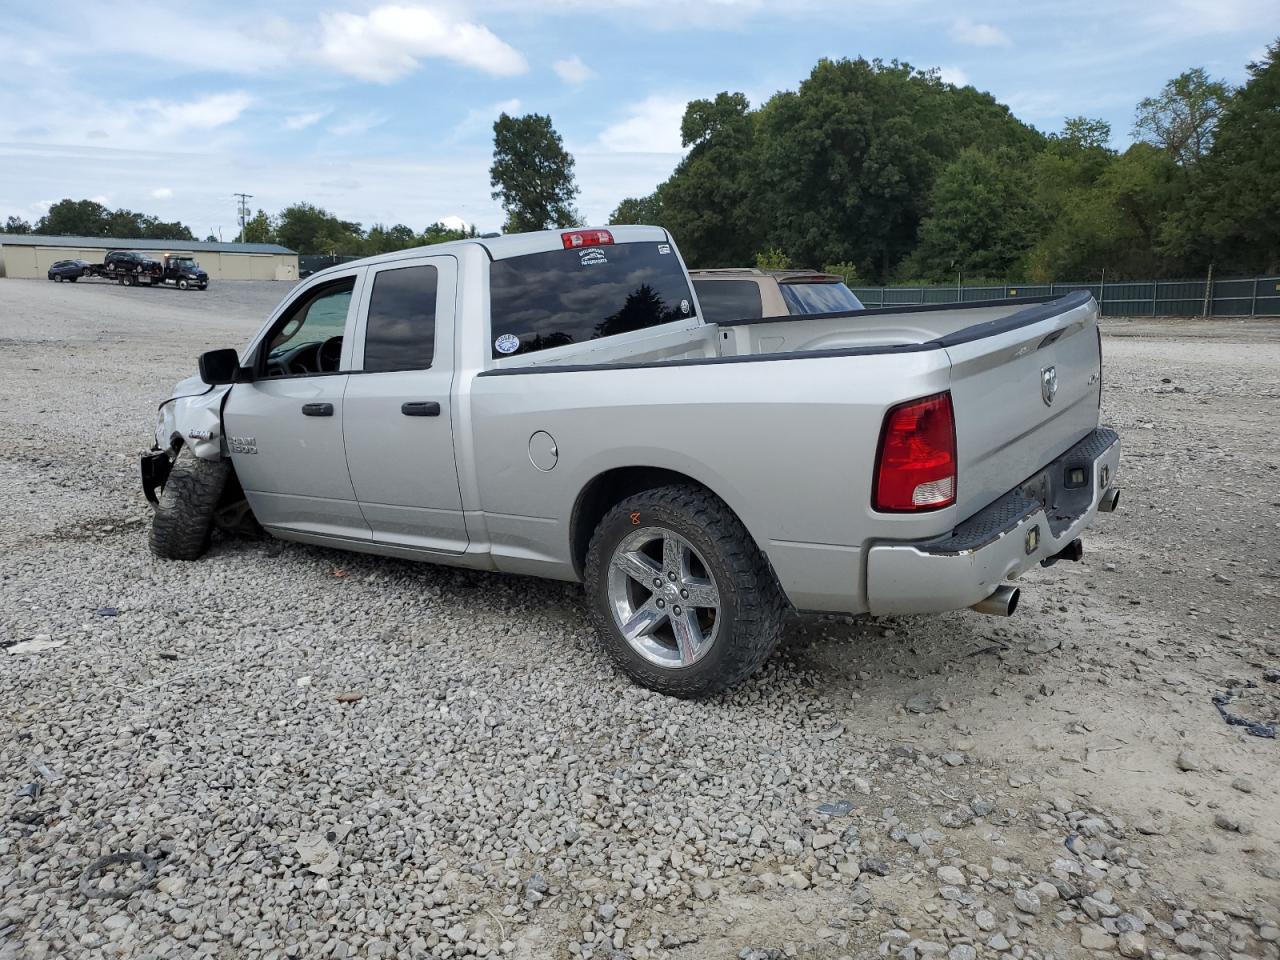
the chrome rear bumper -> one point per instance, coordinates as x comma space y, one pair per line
1033, 522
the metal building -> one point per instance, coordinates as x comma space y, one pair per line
30, 255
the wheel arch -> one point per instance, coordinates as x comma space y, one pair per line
610, 487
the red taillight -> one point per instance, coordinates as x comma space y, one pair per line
916, 462
586, 238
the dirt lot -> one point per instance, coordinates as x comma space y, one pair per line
340, 756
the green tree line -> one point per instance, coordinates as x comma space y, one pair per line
886, 173
303, 227
306, 228
88, 218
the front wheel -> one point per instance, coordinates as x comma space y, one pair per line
681, 597
57, 278
184, 518
183, 284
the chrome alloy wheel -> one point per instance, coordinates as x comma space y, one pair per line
664, 597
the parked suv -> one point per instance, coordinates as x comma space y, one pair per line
130, 267
69, 270
748, 294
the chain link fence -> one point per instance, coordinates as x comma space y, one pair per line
1245, 297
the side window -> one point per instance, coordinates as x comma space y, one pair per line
308, 338
400, 333
723, 300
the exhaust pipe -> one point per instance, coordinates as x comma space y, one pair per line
1073, 551
1110, 500
1002, 603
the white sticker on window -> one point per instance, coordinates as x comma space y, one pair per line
664, 248
587, 257
507, 343
684, 306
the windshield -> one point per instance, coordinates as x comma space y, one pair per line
188, 263
805, 298
545, 300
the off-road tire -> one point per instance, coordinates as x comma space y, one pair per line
183, 520
753, 606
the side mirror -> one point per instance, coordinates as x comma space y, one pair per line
218, 367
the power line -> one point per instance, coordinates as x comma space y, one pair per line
244, 211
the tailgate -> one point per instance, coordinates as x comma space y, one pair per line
1025, 388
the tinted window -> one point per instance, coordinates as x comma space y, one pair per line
401, 331
723, 300
547, 300
818, 298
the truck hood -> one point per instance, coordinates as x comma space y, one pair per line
193, 416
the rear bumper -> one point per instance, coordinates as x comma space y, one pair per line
1031, 523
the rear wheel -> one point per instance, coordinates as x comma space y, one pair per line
683, 600
184, 518
126, 281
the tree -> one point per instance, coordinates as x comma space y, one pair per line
382, 239
1238, 205
847, 161
532, 174
980, 219
1087, 134
76, 218
708, 201
639, 210
259, 229
439, 233
16, 225
1183, 116
306, 228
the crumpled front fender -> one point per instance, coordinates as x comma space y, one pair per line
194, 415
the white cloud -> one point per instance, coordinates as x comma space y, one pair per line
953, 75
386, 43
653, 126
162, 193
573, 70
300, 121
356, 125
454, 222
973, 34
206, 113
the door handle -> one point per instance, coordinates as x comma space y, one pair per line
317, 409
420, 408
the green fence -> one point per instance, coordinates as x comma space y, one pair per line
1245, 297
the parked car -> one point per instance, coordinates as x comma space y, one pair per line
742, 294
554, 404
69, 270
128, 267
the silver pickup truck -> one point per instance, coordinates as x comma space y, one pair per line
553, 404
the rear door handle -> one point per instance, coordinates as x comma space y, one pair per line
317, 409
420, 408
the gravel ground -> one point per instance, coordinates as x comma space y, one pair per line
331, 755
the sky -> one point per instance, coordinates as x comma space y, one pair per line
382, 112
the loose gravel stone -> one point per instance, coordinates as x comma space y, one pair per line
340, 756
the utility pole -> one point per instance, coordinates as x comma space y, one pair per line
244, 211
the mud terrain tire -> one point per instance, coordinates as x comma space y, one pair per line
184, 518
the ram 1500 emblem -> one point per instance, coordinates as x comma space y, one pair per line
1048, 385
243, 444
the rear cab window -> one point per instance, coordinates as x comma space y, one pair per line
543, 300
724, 300
811, 297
